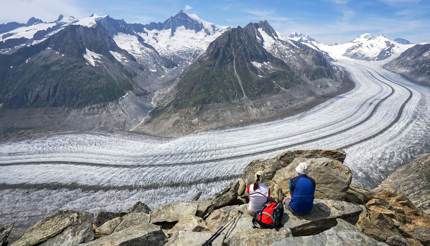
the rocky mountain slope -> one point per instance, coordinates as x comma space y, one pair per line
91, 73
14, 36
246, 74
413, 180
414, 63
343, 215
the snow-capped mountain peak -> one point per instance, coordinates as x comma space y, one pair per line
367, 47
300, 37
90, 21
182, 37
185, 19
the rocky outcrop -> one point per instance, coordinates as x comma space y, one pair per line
62, 228
342, 234
143, 234
413, 180
332, 177
390, 217
342, 214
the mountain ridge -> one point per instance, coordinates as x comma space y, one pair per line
249, 71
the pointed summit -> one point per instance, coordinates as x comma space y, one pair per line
266, 27
33, 21
60, 18
184, 19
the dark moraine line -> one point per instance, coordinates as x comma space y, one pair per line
190, 163
398, 116
83, 187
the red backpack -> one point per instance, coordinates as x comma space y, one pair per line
270, 216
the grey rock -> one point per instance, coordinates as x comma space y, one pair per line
270, 166
108, 227
167, 216
342, 234
331, 176
79, 233
102, 216
143, 234
189, 238
228, 196
140, 207
132, 219
62, 228
189, 223
323, 216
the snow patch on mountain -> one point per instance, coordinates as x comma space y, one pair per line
119, 57
182, 41
268, 41
92, 57
304, 39
90, 21
132, 45
27, 32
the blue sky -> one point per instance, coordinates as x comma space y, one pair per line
325, 20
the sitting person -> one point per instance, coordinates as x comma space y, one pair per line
258, 192
302, 190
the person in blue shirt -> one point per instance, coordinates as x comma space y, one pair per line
302, 190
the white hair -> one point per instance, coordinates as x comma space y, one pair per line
302, 168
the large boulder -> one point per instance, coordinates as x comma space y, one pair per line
413, 180
143, 234
62, 228
229, 196
188, 223
357, 195
108, 227
132, 219
270, 166
121, 223
168, 216
343, 233
189, 238
322, 217
390, 217
331, 176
